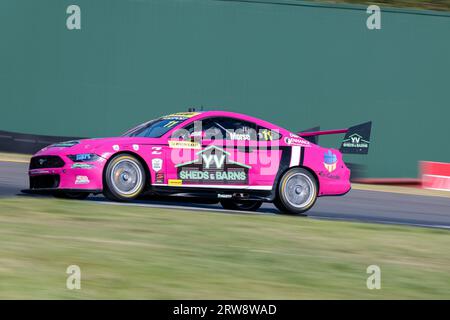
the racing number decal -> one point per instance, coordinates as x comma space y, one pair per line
267, 135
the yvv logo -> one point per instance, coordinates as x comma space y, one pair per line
356, 138
213, 166
330, 161
355, 141
217, 160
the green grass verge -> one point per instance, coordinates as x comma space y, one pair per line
136, 252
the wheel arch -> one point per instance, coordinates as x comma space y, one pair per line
313, 173
139, 158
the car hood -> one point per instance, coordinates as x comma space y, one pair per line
96, 145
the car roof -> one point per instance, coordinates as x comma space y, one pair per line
221, 113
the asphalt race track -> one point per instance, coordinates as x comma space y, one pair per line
357, 205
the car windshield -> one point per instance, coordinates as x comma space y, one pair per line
155, 128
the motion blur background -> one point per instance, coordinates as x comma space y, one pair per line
295, 63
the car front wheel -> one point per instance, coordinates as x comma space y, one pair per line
124, 178
297, 191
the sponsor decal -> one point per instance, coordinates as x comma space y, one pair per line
116, 147
176, 118
181, 115
84, 157
329, 175
212, 166
81, 166
82, 180
355, 141
171, 123
266, 135
224, 196
175, 182
156, 150
239, 136
329, 161
159, 177
135, 147
184, 144
296, 141
157, 164
42, 161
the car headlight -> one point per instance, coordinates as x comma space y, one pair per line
83, 157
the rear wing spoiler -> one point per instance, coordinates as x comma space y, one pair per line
356, 139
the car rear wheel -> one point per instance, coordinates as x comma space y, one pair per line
71, 195
245, 205
124, 178
297, 192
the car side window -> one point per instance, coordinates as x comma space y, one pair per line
237, 129
208, 127
219, 128
212, 130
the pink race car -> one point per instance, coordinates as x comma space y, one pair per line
231, 158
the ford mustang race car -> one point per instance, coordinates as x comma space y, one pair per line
235, 159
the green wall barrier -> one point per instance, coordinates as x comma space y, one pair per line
294, 63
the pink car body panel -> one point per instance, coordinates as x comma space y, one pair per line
164, 158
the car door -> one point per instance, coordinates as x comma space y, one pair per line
252, 149
214, 152
228, 151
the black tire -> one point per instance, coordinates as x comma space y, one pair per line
245, 205
295, 185
71, 195
124, 178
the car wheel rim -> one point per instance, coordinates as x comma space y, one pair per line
126, 177
299, 190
